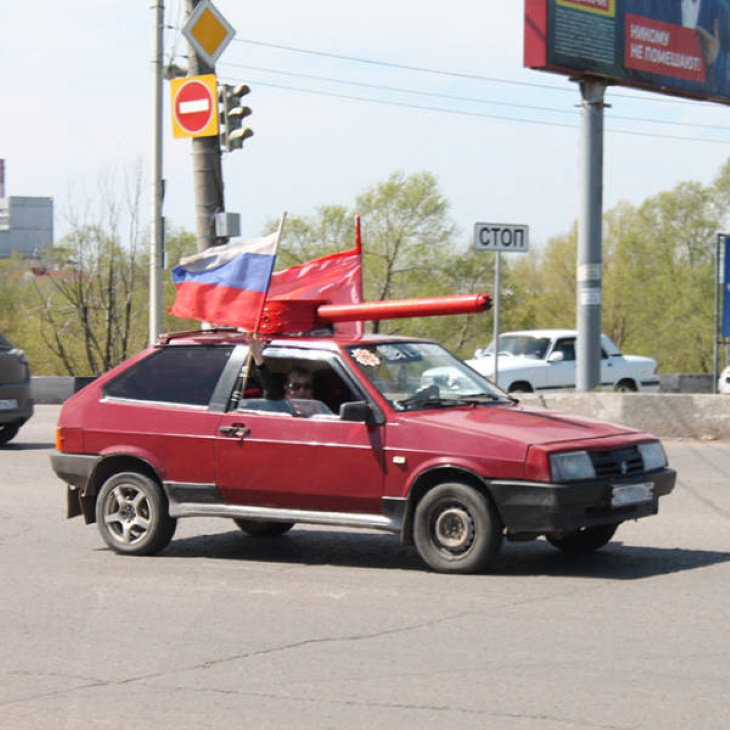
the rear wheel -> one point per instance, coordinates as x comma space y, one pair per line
132, 514
626, 386
456, 529
8, 431
520, 387
261, 528
585, 540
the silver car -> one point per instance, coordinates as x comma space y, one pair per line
16, 404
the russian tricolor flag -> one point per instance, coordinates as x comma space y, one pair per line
226, 284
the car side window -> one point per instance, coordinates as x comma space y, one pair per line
179, 374
567, 347
328, 391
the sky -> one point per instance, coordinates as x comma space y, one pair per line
335, 112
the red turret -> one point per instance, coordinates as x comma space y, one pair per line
282, 317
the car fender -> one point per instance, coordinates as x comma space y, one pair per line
116, 455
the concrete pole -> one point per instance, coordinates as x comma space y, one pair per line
156, 233
207, 170
590, 241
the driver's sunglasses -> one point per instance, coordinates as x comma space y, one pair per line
299, 386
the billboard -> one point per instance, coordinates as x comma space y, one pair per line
678, 47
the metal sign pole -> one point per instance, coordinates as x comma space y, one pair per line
719, 290
499, 237
157, 228
495, 309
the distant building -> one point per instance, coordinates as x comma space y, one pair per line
26, 223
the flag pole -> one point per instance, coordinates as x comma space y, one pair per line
249, 357
257, 321
359, 326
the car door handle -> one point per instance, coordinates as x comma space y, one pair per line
235, 430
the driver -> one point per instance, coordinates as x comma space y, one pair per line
298, 386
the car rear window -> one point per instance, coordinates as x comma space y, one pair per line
179, 374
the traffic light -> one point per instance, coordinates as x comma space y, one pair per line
232, 115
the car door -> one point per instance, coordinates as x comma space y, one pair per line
270, 454
561, 373
612, 368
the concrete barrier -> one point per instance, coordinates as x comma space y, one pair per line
51, 389
671, 415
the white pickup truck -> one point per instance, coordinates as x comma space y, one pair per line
542, 360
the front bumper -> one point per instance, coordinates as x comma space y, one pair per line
540, 507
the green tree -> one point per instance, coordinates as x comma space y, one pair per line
408, 248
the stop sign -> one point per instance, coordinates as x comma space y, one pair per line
194, 106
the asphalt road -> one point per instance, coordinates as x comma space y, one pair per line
345, 629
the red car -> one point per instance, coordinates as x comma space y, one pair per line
399, 435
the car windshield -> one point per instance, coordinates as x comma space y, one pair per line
417, 375
521, 345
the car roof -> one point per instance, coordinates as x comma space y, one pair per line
542, 333
226, 336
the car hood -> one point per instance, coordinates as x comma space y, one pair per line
516, 424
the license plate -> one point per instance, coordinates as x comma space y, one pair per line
8, 404
631, 494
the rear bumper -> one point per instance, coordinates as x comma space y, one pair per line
538, 508
23, 410
74, 469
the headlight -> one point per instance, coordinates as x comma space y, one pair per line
653, 456
571, 466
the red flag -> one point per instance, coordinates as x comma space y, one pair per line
336, 278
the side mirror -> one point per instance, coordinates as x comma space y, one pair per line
358, 411
556, 356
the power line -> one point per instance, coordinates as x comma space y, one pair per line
402, 66
469, 99
422, 107
441, 72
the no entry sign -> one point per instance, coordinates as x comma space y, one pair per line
194, 106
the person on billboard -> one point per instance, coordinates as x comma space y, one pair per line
711, 21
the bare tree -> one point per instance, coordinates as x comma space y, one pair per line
91, 293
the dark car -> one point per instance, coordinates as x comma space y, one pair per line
187, 428
16, 404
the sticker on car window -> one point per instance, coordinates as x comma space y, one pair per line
366, 358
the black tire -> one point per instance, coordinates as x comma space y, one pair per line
132, 514
520, 388
262, 528
456, 529
585, 540
8, 431
626, 386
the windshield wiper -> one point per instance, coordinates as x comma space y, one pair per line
479, 398
429, 397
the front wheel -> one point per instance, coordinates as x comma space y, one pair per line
132, 515
262, 528
8, 431
456, 529
585, 540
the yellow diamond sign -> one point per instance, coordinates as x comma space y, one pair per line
208, 31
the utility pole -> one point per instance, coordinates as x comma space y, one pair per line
590, 240
157, 232
207, 170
